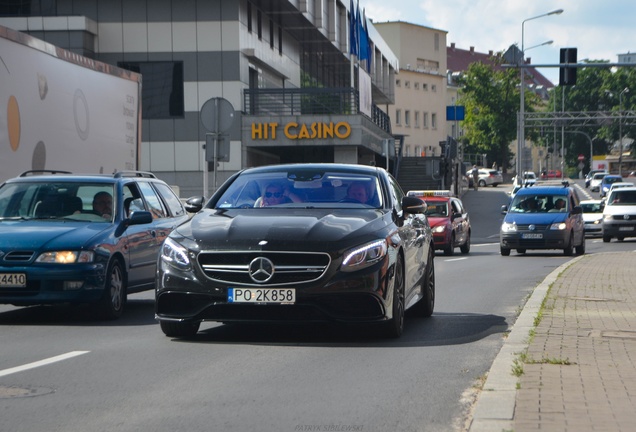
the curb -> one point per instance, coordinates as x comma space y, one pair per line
495, 406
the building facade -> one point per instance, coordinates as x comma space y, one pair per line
419, 113
283, 68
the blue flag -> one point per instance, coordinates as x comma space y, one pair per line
353, 31
363, 41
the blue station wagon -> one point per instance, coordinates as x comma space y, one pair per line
83, 238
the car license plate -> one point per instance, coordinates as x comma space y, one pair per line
532, 236
12, 280
261, 295
626, 228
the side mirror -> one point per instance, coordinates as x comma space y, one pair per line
413, 205
577, 210
504, 209
194, 204
140, 218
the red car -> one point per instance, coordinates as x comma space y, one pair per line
550, 174
448, 219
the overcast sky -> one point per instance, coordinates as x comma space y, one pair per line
600, 29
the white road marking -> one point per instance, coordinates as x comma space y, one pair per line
41, 363
455, 259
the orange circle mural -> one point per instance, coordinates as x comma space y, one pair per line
13, 122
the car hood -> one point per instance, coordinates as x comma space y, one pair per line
38, 235
535, 218
434, 221
291, 229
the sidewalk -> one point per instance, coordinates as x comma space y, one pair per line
579, 370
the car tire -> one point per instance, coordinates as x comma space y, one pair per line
449, 249
569, 249
495, 184
395, 326
607, 239
482, 183
465, 248
504, 251
111, 305
620, 239
580, 249
427, 303
179, 328
521, 251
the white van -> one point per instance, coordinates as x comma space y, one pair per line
619, 214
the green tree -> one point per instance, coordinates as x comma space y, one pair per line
596, 89
491, 100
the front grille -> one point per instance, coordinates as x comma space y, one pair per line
536, 227
624, 217
18, 256
289, 267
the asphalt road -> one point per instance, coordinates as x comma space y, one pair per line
62, 370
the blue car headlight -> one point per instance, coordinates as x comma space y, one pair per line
172, 253
364, 256
66, 257
508, 227
560, 226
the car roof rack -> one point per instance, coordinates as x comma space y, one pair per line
144, 174
41, 172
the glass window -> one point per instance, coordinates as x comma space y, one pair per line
162, 90
154, 203
171, 199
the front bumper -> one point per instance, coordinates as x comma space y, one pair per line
76, 283
356, 297
618, 228
550, 239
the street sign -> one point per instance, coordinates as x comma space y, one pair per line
581, 157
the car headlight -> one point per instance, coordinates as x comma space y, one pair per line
597, 221
560, 226
439, 229
66, 257
364, 256
608, 218
508, 227
175, 255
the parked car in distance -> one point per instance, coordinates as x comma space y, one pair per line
543, 217
75, 239
448, 219
349, 247
593, 217
550, 174
487, 177
619, 214
595, 183
606, 183
589, 176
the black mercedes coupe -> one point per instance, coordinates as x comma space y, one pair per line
299, 243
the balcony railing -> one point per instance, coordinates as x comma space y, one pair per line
309, 101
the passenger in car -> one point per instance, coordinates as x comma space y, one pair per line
275, 194
358, 192
103, 204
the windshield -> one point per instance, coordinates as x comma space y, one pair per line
302, 188
55, 201
436, 209
539, 204
622, 197
592, 207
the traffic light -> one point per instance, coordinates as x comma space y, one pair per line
567, 76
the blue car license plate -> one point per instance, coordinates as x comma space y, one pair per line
531, 236
12, 280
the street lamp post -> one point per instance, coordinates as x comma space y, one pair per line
620, 131
521, 136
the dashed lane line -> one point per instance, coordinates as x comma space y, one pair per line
44, 362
